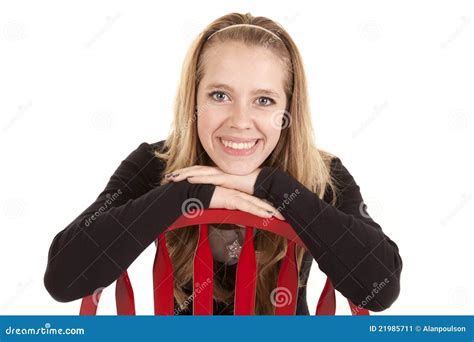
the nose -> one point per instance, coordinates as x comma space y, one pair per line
241, 118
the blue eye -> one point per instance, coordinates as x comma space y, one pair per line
217, 93
220, 96
269, 101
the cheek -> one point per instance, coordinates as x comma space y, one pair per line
202, 130
210, 117
273, 140
206, 127
271, 130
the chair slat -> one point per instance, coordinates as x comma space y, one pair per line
285, 295
89, 304
163, 279
246, 277
124, 298
327, 300
203, 275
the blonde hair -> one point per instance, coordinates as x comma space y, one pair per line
183, 149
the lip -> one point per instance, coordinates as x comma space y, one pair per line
233, 152
236, 139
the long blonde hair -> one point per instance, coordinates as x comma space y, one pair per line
296, 144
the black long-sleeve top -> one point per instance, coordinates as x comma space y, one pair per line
132, 210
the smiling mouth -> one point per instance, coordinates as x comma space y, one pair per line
239, 148
239, 145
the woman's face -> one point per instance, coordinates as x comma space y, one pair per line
241, 102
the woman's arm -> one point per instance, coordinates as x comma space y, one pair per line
102, 242
348, 245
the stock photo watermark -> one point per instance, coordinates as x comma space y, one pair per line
288, 198
377, 288
47, 329
192, 207
280, 297
197, 290
110, 199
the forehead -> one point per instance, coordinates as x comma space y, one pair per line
243, 66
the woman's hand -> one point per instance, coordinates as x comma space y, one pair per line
232, 191
237, 200
213, 175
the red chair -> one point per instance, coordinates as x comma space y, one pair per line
203, 270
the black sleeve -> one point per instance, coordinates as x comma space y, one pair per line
102, 242
362, 262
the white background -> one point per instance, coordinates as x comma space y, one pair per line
391, 85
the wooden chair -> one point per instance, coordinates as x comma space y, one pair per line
246, 273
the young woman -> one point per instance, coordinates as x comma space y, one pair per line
241, 139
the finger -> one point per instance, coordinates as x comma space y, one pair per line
250, 207
207, 179
276, 213
259, 204
265, 205
196, 170
279, 216
258, 201
177, 175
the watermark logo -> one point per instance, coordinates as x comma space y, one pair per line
280, 119
192, 207
96, 295
281, 296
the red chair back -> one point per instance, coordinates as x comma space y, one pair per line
246, 273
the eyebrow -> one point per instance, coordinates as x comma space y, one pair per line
256, 91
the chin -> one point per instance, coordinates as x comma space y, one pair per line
239, 168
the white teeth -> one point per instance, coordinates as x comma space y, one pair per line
239, 146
